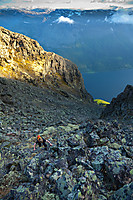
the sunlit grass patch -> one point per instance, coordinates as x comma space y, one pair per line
101, 102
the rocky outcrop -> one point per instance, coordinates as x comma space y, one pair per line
22, 58
121, 107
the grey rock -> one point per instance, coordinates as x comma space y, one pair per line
126, 193
122, 106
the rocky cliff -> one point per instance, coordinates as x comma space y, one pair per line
22, 58
121, 107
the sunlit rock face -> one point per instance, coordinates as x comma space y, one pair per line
22, 58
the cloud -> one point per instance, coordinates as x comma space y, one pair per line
122, 18
63, 19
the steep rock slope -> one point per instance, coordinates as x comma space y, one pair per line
122, 106
22, 58
40, 105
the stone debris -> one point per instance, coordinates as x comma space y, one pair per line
72, 168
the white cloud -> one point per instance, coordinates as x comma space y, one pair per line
63, 19
122, 18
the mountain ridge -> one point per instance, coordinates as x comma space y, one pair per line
120, 107
22, 58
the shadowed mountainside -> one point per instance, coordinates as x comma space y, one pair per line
41, 105
120, 107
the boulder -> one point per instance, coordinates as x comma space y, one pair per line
126, 193
113, 168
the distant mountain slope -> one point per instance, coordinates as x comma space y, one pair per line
22, 58
121, 107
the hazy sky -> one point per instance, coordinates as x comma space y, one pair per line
73, 4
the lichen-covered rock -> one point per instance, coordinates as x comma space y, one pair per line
93, 139
13, 178
118, 170
21, 192
24, 59
125, 193
112, 166
64, 185
34, 169
70, 169
25, 191
97, 157
50, 196
60, 180
88, 183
